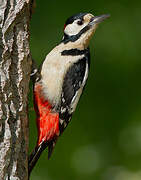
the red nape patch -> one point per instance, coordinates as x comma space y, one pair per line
47, 121
64, 26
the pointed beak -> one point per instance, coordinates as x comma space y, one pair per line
98, 19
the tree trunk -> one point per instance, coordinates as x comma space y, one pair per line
15, 66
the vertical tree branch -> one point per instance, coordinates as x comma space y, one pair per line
15, 65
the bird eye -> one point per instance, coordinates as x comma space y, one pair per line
79, 23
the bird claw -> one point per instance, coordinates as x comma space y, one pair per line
35, 75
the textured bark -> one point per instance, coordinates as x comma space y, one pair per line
15, 64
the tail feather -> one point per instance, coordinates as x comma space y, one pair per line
35, 155
51, 146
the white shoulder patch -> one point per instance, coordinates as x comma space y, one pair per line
79, 92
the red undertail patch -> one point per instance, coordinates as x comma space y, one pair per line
47, 121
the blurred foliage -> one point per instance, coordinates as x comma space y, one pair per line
103, 140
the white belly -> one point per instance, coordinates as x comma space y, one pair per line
53, 71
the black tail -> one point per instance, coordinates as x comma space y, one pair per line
35, 155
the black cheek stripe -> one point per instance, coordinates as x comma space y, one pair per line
74, 38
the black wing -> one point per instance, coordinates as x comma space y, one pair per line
73, 81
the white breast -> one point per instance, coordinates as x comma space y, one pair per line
53, 71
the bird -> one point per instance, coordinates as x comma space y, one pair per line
60, 81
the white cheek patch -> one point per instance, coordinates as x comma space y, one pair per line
74, 28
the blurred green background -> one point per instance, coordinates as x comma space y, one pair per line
103, 140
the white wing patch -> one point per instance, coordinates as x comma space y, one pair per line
79, 92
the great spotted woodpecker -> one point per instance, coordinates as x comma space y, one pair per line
61, 80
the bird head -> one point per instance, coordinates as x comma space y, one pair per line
79, 28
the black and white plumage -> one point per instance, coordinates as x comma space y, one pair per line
63, 76
74, 82
67, 80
